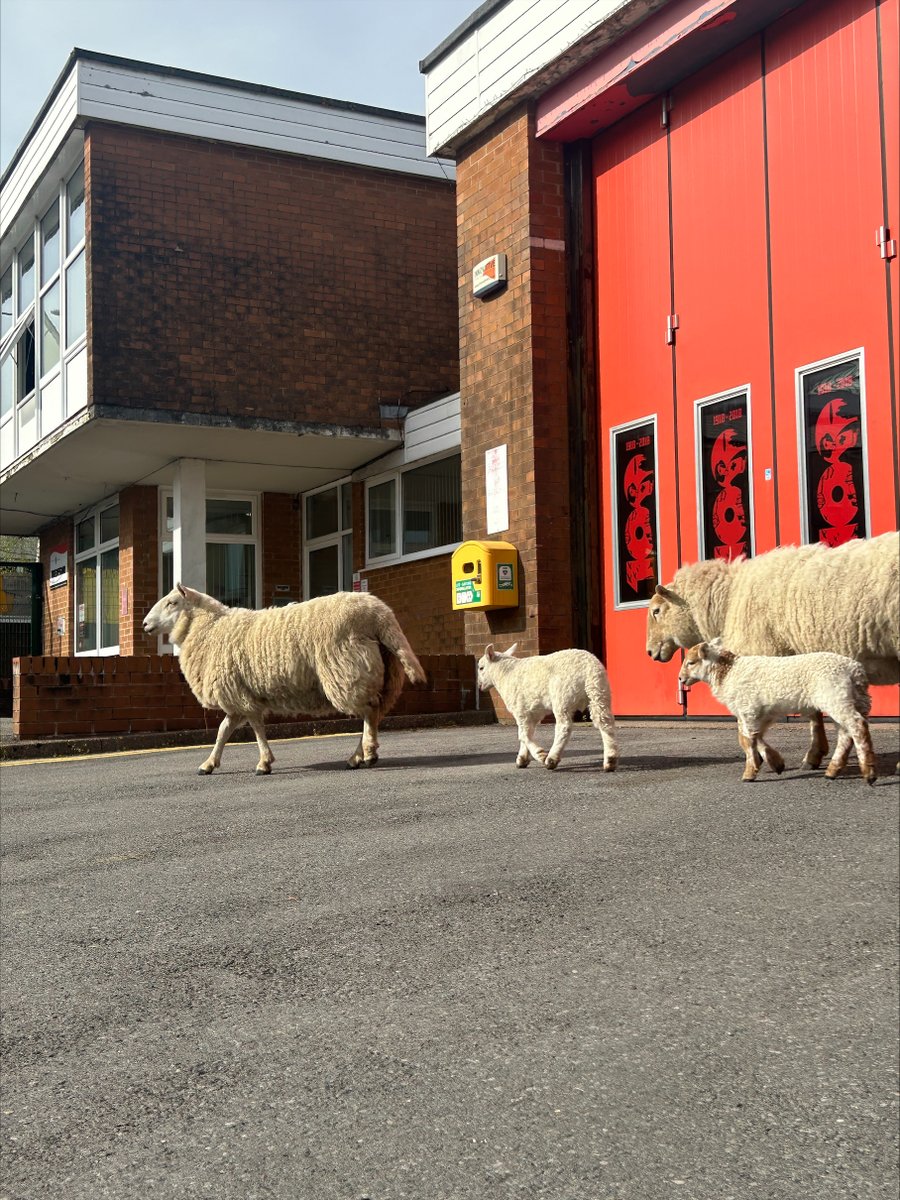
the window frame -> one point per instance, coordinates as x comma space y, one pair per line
328, 539
386, 560
96, 553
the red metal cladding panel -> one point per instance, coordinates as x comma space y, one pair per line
635, 386
889, 34
826, 204
721, 286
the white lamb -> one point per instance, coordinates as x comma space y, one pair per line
344, 652
561, 683
758, 688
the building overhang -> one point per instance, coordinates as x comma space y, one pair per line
105, 449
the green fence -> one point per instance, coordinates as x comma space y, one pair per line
20, 620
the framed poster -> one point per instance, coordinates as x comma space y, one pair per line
831, 436
724, 501
634, 512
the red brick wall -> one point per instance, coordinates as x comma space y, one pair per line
69, 696
227, 280
280, 548
57, 601
138, 565
513, 373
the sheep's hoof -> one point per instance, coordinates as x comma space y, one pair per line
204, 770
370, 762
353, 763
521, 762
263, 770
551, 763
610, 764
542, 756
778, 767
812, 761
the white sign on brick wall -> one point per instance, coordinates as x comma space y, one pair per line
496, 489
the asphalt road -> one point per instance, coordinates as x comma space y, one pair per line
449, 979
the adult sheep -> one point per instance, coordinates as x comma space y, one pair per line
791, 600
345, 651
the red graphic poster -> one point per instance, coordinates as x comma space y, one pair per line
725, 505
835, 484
634, 455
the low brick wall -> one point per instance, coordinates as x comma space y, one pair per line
86, 697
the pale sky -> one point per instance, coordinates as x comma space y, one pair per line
367, 51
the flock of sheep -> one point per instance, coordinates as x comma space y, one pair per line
796, 630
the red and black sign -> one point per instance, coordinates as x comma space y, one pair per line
836, 501
724, 478
634, 452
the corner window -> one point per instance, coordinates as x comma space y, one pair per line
328, 540
415, 512
97, 581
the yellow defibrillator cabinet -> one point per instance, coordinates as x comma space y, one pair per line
485, 575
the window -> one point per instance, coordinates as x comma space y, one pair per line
635, 517
417, 511
97, 581
328, 540
724, 507
231, 553
43, 311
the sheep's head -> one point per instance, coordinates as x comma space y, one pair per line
699, 661
670, 624
487, 661
165, 613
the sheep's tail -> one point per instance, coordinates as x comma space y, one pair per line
600, 698
394, 640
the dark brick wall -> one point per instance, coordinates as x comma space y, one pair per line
227, 280
513, 348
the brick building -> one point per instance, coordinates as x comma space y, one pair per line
229, 353
694, 353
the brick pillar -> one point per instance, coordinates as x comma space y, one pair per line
510, 198
138, 566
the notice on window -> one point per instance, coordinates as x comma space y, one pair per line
496, 489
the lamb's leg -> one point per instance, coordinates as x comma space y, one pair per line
749, 738
853, 730
773, 759
560, 738
604, 722
226, 729
818, 742
366, 753
528, 748
266, 757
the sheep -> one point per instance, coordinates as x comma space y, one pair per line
757, 688
561, 683
791, 600
344, 651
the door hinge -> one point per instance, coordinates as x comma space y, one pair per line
885, 243
671, 326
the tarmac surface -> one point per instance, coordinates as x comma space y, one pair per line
448, 979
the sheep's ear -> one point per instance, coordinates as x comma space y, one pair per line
181, 588
489, 652
511, 651
669, 595
703, 650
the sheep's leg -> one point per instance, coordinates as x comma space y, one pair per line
853, 730
773, 759
560, 738
266, 757
603, 721
818, 742
226, 729
528, 748
366, 753
749, 738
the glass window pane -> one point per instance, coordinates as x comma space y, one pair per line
50, 244
7, 385
432, 506
25, 363
76, 301
231, 574
229, 517
322, 514
323, 571
75, 210
6, 308
109, 523
381, 506
86, 605
347, 562
26, 276
109, 598
346, 505
50, 329
84, 535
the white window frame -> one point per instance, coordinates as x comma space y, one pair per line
251, 539
96, 552
742, 391
386, 560
32, 314
328, 539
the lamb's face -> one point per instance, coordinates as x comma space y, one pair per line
695, 668
484, 673
164, 614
